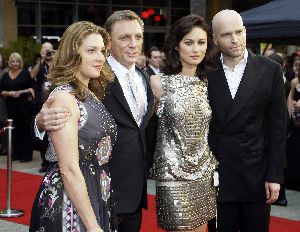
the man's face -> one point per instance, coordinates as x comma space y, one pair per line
296, 65
155, 59
47, 51
230, 37
126, 42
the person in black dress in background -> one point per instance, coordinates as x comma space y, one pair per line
282, 201
75, 194
16, 87
293, 147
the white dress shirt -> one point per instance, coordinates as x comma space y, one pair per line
155, 70
234, 77
121, 72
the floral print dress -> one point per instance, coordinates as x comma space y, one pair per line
52, 209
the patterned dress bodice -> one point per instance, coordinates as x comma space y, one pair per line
182, 151
97, 131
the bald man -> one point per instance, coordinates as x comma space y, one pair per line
247, 130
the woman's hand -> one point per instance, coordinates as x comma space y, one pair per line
14, 94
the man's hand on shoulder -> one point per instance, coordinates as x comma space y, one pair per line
50, 119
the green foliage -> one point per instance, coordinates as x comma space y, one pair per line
26, 46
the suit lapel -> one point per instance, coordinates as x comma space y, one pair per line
246, 88
220, 89
117, 92
149, 93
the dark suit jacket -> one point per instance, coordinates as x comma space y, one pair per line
150, 71
247, 134
128, 164
151, 130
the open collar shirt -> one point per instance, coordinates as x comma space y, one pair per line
234, 77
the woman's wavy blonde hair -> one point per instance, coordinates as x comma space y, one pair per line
67, 60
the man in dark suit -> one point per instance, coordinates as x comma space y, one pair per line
154, 61
130, 102
128, 165
248, 128
153, 68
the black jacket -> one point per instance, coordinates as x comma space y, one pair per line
248, 134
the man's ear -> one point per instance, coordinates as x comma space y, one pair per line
176, 48
215, 39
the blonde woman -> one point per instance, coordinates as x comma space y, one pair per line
75, 194
16, 86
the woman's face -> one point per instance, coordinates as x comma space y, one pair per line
15, 63
296, 65
192, 47
92, 57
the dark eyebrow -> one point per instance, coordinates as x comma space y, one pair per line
226, 33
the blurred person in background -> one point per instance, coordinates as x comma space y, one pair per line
39, 72
293, 147
141, 61
288, 68
154, 61
296, 62
17, 87
278, 57
3, 114
153, 68
3, 68
37, 59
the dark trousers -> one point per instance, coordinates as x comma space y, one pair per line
130, 222
243, 217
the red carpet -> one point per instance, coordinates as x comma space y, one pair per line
25, 186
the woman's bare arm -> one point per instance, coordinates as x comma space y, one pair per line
65, 143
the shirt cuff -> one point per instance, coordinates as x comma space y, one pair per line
37, 132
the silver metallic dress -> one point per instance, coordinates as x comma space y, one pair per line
183, 163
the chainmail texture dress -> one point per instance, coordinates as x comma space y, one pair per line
183, 163
52, 209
